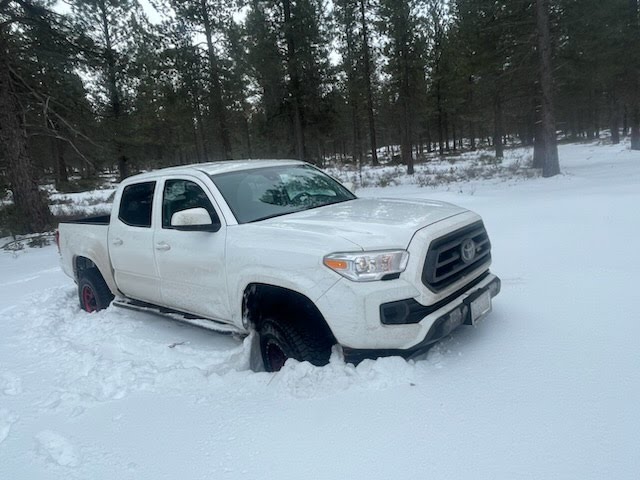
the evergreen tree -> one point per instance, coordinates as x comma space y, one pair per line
22, 42
398, 22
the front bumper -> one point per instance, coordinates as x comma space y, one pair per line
448, 317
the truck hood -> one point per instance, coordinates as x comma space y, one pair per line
369, 223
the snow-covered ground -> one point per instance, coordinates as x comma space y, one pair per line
547, 386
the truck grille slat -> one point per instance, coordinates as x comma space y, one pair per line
446, 263
452, 258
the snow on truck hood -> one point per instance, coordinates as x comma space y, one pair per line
369, 223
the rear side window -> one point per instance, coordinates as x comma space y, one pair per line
136, 204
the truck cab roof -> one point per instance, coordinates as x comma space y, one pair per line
214, 168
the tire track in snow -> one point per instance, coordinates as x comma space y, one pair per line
29, 279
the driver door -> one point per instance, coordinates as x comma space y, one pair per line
191, 264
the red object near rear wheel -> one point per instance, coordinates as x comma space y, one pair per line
93, 291
88, 299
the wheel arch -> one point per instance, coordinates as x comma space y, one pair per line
261, 301
82, 263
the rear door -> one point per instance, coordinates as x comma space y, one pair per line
130, 241
191, 264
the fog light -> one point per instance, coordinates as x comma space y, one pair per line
395, 313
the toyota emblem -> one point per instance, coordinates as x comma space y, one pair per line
468, 250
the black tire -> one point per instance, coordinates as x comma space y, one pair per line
281, 339
93, 292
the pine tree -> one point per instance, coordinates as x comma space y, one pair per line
398, 23
550, 166
23, 26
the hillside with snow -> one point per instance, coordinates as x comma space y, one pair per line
547, 386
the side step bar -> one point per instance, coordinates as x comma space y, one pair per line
182, 317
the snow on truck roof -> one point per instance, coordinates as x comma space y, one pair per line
224, 166
213, 168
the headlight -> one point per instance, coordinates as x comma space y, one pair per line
367, 266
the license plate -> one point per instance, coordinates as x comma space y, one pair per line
480, 307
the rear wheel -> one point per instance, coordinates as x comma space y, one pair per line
281, 339
93, 291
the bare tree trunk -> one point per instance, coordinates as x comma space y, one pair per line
217, 102
440, 119
62, 174
453, 133
247, 133
446, 132
406, 149
614, 118
367, 78
352, 86
497, 126
551, 165
114, 95
472, 136
30, 203
201, 145
538, 146
635, 128
196, 142
294, 78
634, 114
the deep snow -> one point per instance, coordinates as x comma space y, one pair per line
547, 386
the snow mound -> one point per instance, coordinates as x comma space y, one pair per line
10, 384
57, 448
7, 419
106, 355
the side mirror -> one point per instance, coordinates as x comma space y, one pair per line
350, 186
194, 219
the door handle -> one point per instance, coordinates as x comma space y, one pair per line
163, 247
117, 242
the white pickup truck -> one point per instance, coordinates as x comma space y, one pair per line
282, 248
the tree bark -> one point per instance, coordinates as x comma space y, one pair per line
472, 136
551, 165
538, 146
114, 95
634, 107
31, 208
440, 119
497, 126
367, 78
635, 128
614, 118
294, 79
62, 174
406, 149
453, 133
351, 69
217, 102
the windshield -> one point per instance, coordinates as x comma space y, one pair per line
268, 192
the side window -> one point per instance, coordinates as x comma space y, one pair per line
181, 195
136, 204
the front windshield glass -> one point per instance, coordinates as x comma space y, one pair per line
267, 192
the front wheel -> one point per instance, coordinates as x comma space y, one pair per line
281, 339
93, 291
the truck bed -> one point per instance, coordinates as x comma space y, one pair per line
96, 220
86, 237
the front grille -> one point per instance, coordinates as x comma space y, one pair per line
446, 261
